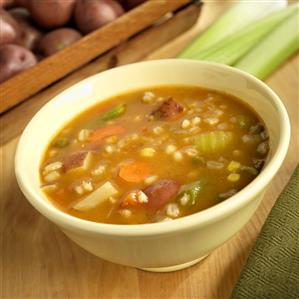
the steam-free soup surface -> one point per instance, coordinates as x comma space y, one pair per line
154, 155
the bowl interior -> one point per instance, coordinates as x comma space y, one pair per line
54, 115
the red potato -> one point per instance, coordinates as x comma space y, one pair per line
168, 110
5, 3
91, 15
14, 59
161, 192
8, 28
27, 36
12, 3
77, 161
20, 13
57, 40
129, 4
51, 13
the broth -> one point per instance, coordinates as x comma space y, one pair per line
154, 155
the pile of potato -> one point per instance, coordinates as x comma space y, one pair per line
31, 30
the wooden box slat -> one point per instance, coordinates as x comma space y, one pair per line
49, 70
135, 49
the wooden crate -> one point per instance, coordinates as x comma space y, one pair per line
136, 33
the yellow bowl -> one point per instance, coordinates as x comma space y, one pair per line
165, 246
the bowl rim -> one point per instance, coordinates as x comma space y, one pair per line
212, 214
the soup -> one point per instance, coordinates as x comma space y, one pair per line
154, 155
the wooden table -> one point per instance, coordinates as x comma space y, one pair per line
38, 261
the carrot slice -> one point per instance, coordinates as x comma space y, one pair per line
134, 172
104, 132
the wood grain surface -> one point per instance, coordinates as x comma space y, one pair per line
39, 261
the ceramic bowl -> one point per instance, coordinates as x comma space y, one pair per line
165, 246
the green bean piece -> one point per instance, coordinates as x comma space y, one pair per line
115, 112
193, 191
61, 142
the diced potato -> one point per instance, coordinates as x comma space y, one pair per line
78, 161
96, 197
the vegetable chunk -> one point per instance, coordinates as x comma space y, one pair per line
134, 172
79, 161
213, 142
115, 112
96, 197
169, 109
161, 192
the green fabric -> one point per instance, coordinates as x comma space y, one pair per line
272, 268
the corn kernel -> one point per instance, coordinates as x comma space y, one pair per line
147, 152
233, 177
233, 166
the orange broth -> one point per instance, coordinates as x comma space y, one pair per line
153, 155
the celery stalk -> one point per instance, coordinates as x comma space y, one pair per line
237, 17
232, 48
273, 50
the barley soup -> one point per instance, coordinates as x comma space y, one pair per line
154, 155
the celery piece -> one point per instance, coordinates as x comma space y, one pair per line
193, 191
273, 50
231, 49
238, 16
115, 112
213, 141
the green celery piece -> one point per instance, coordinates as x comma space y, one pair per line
230, 50
193, 190
115, 112
213, 142
273, 50
238, 16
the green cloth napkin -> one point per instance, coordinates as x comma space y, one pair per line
272, 268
